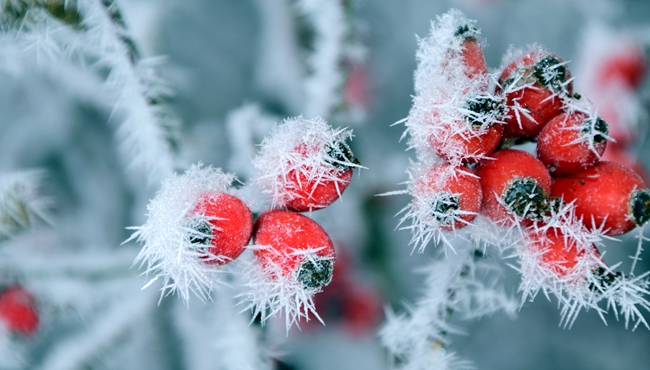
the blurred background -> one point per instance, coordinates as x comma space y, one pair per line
234, 68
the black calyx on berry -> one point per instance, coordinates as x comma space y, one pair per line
525, 198
605, 279
639, 205
552, 73
315, 273
445, 208
484, 110
597, 128
201, 232
340, 155
466, 31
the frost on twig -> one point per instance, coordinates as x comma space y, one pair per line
300, 150
20, 203
92, 34
455, 284
273, 290
169, 250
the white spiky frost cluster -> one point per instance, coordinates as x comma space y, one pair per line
274, 291
167, 250
463, 283
297, 150
442, 89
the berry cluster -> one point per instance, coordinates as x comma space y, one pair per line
198, 222
463, 125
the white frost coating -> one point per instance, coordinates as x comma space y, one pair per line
20, 203
297, 150
323, 84
167, 250
455, 284
442, 91
133, 82
273, 290
83, 350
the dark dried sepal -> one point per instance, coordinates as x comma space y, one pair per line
640, 206
315, 273
339, 154
525, 198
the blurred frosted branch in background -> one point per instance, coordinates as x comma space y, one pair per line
20, 203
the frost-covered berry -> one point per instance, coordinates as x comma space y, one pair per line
608, 196
296, 245
514, 183
223, 225
534, 82
450, 196
626, 67
305, 165
193, 227
475, 133
294, 261
18, 310
560, 252
572, 142
472, 55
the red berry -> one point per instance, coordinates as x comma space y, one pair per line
606, 194
534, 85
627, 68
18, 311
560, 253
474, 137
517, 180
311, 189
289, 236
472, 52
452, 195
572, 142
226, 226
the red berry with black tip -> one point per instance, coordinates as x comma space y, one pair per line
296, 245
514, 182
18, 311
223, 229
472, 52
607, 195
476, 136
451, 195
535, 85
309, 192
572, 142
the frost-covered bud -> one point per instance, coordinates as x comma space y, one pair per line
305, 165
193, 226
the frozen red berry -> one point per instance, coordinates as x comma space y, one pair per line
534, 85
514, 182
560, 252
221, 225
607, 195
475, 136
296, 246
18, 311
617, 154
311, 189
451, 195
472, 52
572, 142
